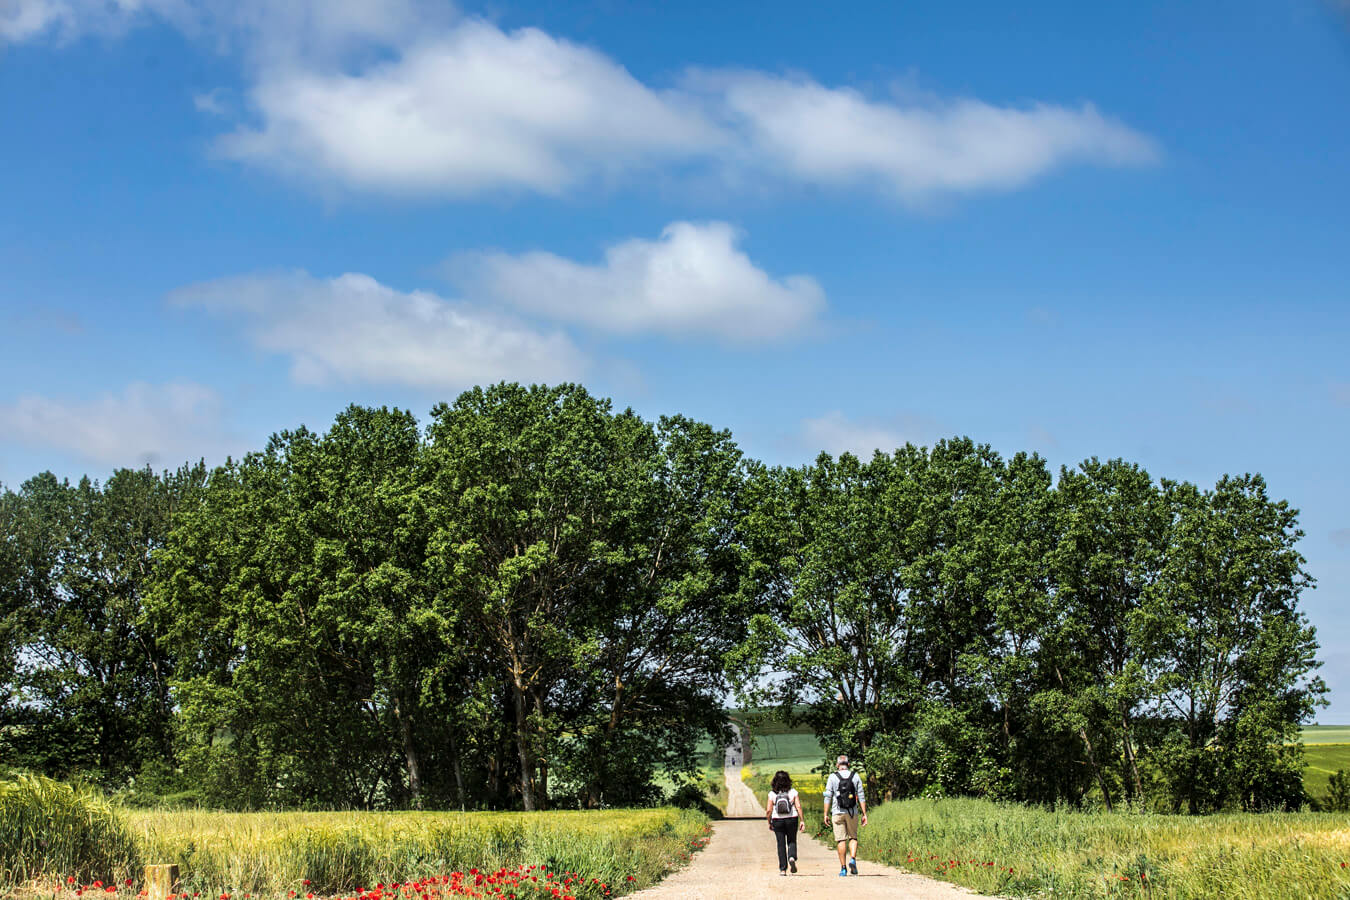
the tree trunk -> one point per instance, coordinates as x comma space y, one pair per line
404, 716
1092, 761
523, 745
1092, 757
458, 771
1130, 761
541, 785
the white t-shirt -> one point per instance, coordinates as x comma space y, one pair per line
792, 799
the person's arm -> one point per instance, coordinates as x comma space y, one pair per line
768, 809
862, 799
829, 797
801, 816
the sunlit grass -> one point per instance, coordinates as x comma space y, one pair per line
1019, 851
340, 851
47, 827
51, 834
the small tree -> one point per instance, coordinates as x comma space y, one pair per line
1338, 793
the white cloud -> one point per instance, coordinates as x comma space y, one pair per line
269, 32
835, 433
837, 136
391, 96
22, 20
211, 102
693, 280
156, 424
479, 109
352, 328
474, 109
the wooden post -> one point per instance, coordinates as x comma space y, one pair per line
160, 882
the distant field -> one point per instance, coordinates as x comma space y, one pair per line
1323, 761
1326, 734
796, 750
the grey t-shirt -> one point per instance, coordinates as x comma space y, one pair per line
832, 788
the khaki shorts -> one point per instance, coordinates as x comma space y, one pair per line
845, 827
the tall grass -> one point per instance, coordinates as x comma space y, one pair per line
1016, 851
271, 853
51, 832
47, 827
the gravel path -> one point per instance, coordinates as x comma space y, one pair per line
740, 863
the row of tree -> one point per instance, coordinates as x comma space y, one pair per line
974, 626
537, 600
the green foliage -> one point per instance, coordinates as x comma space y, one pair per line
539, 601
1338, 792
967, 627
1017, 851
50, 830
593, 556
87, 675
529, 605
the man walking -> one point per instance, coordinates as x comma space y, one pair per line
844, 802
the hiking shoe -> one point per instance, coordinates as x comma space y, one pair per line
783, 872
792, 864
843, 873
853, 865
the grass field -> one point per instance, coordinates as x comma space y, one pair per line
1323, 761
271, 855
338, 852
1017, 851
1326, 734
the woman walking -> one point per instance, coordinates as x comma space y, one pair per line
784, 815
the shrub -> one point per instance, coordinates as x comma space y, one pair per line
50, 829
1338, 793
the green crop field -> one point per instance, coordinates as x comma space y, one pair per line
1323, 761
51, 832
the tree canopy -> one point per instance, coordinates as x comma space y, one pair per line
536, 600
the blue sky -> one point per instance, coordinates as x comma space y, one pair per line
1076, 230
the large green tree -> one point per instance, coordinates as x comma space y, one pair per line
316, 657
88, 674
592, 555
1232, 654
1108, 557
833, 548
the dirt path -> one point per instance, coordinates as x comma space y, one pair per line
741, 862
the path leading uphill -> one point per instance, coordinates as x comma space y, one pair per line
741, 862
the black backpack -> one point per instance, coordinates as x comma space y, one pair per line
782, 807
847, 795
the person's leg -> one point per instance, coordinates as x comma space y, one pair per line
790, 827
781, 838
853, 856
841, 840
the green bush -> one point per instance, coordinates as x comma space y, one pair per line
1338, 793
50, 830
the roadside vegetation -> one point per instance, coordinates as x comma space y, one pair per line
1017, 851
53, 835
